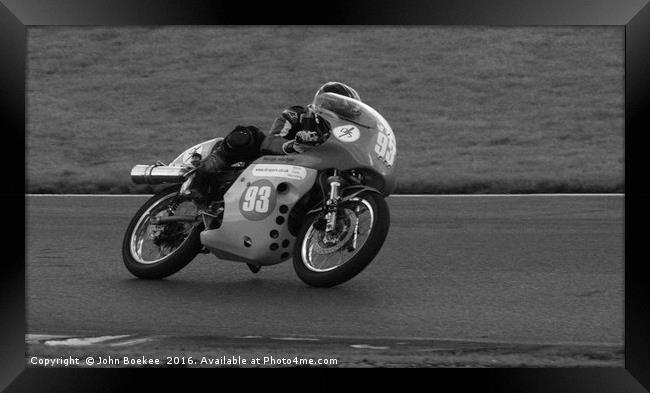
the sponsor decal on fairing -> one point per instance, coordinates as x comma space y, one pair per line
278, 170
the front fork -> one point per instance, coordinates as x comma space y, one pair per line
331, 205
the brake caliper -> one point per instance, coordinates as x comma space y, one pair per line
329, 242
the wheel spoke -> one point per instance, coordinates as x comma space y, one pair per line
143, 248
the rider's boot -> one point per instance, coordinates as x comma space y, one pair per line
199, 190
240, 144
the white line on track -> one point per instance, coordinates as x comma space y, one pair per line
78, 342
132, 342
295, 338
447, 340
51, 339
40, 337
364, 346
392, 196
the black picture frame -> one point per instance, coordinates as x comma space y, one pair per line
632, 15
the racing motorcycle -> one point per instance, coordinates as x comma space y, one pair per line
323, 208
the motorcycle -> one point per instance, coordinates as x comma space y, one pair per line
323, 208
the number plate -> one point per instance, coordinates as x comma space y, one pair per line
258, 200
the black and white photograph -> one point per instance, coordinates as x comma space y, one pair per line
327, 196
227, 167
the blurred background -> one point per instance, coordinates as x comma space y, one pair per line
474, 109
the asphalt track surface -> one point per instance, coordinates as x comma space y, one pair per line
529, 269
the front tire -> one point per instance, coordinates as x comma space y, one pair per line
304, 256
166, 265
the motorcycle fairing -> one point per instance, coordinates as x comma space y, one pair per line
256, 212
360, 138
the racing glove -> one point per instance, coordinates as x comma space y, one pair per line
305, 140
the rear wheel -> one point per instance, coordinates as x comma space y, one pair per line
156, 251
326, 260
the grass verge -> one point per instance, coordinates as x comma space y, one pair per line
474, 109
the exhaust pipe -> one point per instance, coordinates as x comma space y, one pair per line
157, 174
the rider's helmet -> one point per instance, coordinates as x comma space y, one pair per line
338, 88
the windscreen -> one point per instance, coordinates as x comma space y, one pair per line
348, 109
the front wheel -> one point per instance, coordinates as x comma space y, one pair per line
323, 259
156, 251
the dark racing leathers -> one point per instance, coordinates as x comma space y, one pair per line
247, 143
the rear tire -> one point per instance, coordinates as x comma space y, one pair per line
171, 263
359, 261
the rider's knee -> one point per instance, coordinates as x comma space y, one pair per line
243, 142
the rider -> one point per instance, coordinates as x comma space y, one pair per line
294, 131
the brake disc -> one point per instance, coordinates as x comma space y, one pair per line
321, 246
170, 234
